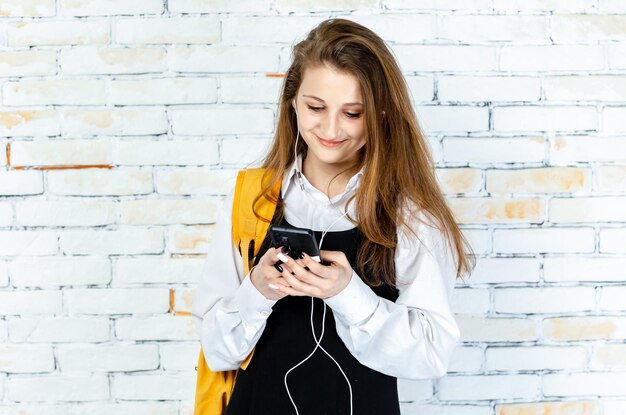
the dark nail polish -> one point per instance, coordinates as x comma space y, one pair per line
284, 249
278, 267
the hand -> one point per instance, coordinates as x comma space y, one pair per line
321, 281
264, 274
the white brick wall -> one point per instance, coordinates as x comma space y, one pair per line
121, 131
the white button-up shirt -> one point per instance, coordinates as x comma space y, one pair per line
412, 338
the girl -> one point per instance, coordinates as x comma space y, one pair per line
355, 168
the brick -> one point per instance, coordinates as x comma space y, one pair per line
611, 240
584, 384
454, 181
551, 58
58, 388
286, 6
170, 386
477, 329
4, 279
539, 180
585, 88
614, 407
535, 358
498, 210
616, 55
611, 179
504, 270
244, 152
414, 390
466, 359
183, 299
65, 213
485, 28
453, 118
51, 92
544, 6
608, 357
31, 242
421, 88
612, 298
438, 4
587, 209
117, 301
584, 268
612, 6
584, 328
544, 118
221, 121
58, 271
493, 150
27, 8
6, 214
470, 301
110, 7
397, 28
26, 359
202, 6
57, 32
29, 123
101, 60
173, 30
552, 408
126, 408
587, 149
445, 58
61, 152
169, 211
27, 63
586, 27
265, 30
223, 58
259, 89
107, 358
195, 181
488, 88
544, 300
30, 302
156, 270
544, 240
171, 152
189, 239
20, 182
417, 408
614, 119
179, 356
164, 327
59, 330
476, 388
163, 91
81, 123
99, 182
123, 241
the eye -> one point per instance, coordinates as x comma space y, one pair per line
353, 115
314, 108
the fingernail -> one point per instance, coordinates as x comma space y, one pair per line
282, 257
275, 287
278, 267
284, 249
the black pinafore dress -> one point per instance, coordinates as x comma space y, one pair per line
317, 386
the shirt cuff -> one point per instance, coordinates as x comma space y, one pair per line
355, 303
252, 305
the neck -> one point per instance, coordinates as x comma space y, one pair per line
329, 179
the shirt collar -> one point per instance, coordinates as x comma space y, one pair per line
290, 178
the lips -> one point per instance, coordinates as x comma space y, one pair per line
329, 143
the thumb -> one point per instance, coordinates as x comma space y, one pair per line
333, 257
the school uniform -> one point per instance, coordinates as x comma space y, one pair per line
376, 334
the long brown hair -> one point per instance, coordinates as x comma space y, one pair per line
399, 178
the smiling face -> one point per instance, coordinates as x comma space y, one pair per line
331, 118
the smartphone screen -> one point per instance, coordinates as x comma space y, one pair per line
295, 239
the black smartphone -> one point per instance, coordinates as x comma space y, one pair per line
295, 239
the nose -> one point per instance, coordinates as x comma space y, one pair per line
331, 127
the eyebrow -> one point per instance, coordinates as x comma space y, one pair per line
321, 100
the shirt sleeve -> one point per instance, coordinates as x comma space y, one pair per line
228, 311
413, 338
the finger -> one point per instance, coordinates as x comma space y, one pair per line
334, 257
314, 266
291, 291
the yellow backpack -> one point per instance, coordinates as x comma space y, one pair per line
213, 389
